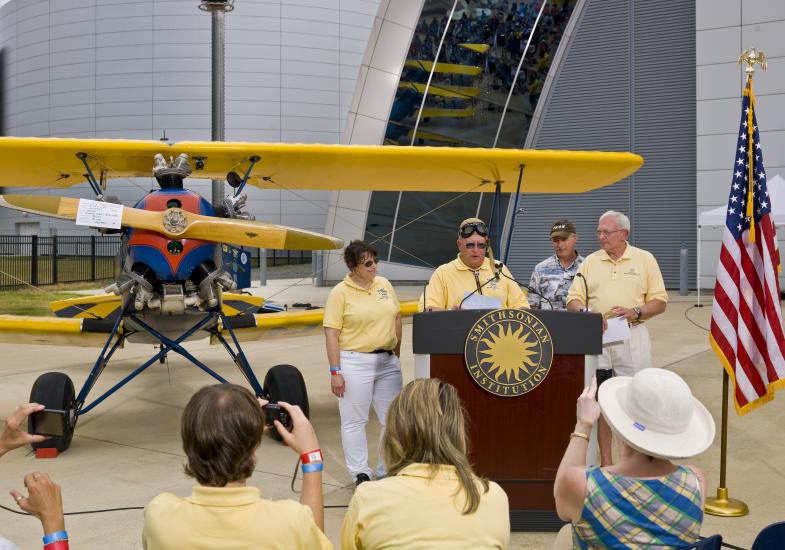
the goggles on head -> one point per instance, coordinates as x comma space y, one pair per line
467, 230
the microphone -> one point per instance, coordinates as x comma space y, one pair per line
585, 288
535, 292
424, 288
494, 278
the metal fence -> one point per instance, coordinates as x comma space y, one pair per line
33, 260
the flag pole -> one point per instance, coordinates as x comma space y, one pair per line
722, 504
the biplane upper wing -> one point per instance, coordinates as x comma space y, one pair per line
54, 162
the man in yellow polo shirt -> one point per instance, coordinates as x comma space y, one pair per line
622, 281
471, 272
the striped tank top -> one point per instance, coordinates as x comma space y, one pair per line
626, 512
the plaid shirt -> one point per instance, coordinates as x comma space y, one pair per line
625, 512
552, 281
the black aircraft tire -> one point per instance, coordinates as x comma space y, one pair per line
285, 383
54, 390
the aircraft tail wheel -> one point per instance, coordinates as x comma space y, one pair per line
54, 390
285, 383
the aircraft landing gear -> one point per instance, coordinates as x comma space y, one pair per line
54, 390
285, 383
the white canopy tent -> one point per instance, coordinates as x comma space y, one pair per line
716, 216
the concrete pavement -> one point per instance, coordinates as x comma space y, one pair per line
128, 449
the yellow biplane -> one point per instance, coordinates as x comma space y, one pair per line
173, 286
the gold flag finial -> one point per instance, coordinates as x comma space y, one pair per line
750, 57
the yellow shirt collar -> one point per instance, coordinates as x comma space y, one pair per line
624, 256
223, 496
350, 283
486, 264
443, 471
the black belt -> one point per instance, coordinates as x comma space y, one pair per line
388, 351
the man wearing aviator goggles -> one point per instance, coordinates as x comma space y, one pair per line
471, 272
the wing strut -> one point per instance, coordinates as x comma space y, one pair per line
514, 214
90, 176
254, 159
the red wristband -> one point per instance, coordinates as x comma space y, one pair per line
58, 545
311, 456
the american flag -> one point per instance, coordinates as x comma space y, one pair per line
746, 319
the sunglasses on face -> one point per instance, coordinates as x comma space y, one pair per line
480, 246
469, 229
369, 263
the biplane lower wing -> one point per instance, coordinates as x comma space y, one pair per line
289, 323
53, 331
107, 306
87, 331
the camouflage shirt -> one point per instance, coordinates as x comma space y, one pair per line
552, 281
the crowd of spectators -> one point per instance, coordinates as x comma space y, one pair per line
431, 497
505, 30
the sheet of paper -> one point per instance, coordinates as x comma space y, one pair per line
480, 301
618, 330
99, 214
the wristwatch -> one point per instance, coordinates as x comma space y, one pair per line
638, 313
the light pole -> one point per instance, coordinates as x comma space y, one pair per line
217, 9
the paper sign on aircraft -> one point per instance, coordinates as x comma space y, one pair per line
99, 214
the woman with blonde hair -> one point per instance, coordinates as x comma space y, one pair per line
431, 497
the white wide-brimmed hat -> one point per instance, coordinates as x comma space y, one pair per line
655, 413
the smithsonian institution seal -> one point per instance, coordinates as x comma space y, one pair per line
508, 352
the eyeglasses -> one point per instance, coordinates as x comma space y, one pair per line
467, 230
605, 234
480, 246
369, 263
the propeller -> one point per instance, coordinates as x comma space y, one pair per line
180, 224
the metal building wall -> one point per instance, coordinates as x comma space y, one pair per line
133, 69
615, 87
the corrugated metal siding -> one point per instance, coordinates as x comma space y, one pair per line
665, 189
613, 95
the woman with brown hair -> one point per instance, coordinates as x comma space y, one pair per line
362, 329
221, 429
431, 497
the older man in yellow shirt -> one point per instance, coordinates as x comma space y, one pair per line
471, 272
621, 281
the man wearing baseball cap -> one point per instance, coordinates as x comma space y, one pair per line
471, 273
552, 277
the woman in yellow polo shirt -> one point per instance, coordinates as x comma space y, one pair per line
431, 497
362, 327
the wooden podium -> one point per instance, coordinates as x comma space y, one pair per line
518, 441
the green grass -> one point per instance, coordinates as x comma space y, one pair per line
69, 268
35, 300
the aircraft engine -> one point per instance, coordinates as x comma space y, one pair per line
139, 281
207, 277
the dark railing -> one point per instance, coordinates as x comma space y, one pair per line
33, 260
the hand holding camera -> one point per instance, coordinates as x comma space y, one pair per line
13, 435
290, 421
302, 438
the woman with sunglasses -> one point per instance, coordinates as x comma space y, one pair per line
362, 327
472, 273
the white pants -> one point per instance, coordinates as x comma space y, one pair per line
630, 356
370, 378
